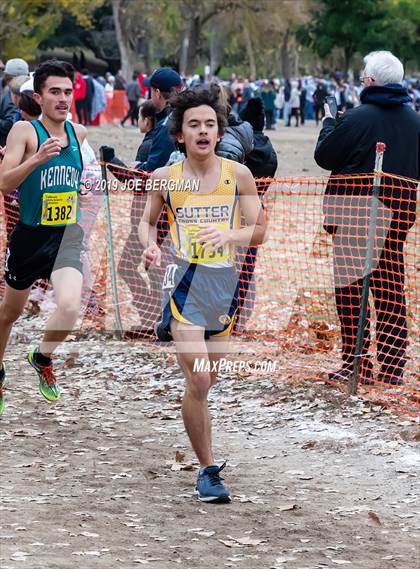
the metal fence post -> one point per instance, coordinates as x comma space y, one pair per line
373, 216
110, 245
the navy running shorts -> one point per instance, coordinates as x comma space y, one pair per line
199, 295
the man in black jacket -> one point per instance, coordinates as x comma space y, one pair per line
347, 146
318, 98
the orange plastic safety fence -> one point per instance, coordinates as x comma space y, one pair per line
299, 293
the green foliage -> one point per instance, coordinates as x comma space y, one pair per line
402, 29
264, 32
24, 24
82, 10
362, 26
341, 23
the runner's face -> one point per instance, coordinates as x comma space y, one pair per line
200, 131
56, 98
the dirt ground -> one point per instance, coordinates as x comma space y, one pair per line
104, 478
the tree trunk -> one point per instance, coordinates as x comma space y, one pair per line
189, 40
216, 40
186, 32
185, 43
250, 52
143, 48
194, 43
348, 52
284, 53
296, 62
127, 55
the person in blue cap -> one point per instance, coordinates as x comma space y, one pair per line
163, 83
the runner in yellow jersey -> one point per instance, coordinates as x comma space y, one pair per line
205, 197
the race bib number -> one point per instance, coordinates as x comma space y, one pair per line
195, 251
59, 209
169, 278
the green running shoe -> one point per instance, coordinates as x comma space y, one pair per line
2, 384
48, 386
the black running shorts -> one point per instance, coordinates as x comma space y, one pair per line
35, 252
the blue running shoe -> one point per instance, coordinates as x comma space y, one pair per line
210, 487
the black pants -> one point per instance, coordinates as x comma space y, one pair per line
133, 113
269, 115
80, 110
302, 113
318, 112
294, 113
83, 110
387, 289
87, 110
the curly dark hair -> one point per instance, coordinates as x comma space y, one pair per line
52, 67
188, 99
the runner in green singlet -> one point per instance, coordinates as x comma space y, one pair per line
43, 160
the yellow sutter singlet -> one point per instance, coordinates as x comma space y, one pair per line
189, 211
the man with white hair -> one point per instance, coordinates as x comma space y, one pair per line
346, 146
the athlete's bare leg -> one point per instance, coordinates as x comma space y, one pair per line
195, 412
217, 348
11, 308
67, 283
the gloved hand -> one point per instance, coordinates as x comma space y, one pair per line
107, 152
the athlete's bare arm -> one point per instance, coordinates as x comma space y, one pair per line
21, 156
254, 232
147, 227
80, 131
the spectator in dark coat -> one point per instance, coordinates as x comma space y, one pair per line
89, 94
347, 146
318, 98
268, 95
302, 100
262, 161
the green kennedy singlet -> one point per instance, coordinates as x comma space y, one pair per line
49, 195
